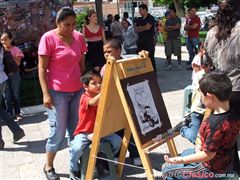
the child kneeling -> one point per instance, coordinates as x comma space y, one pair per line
213, 153
87, 115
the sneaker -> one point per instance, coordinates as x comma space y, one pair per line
137, 161
18, 117
74, 175
50, 174
179, 67
169, 67
2, 144
179, 126
18, 135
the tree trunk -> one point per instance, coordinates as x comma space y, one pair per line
178, 7
98, 4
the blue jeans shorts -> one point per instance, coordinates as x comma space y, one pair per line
63, 116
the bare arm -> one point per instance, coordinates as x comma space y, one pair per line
143, 28
94, 101
82, 64
103, 36
201, 156
18, 59
193, 26
42, 73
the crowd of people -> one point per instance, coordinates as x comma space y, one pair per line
71, 67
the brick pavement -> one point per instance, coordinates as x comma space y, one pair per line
25, 159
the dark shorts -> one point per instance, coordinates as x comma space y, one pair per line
173, 47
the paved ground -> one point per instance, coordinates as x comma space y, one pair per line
25, 160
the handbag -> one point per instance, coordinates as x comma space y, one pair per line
10, 65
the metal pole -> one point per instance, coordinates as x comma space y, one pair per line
118, 7
132, 10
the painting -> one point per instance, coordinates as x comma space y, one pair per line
144, 98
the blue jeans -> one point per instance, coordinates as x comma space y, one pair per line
12, 95
184, 171
81, 142
63, 116
190, 131
4, 116
191, 45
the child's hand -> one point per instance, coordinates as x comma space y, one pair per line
174, 160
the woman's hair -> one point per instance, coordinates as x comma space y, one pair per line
116, 17
10, 36
89, 14
65, 12
226, 18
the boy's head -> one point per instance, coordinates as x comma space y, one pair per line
215, 88
92, 82
112, 49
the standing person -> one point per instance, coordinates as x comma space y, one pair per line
223, 46
11, 94
126, 16
61, 63
173, 41
129, 37
192, 27
116, 29
95, 37
18, 132
107, 24
146, 33
213, 153
87, 116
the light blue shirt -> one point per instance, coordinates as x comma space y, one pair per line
3, 76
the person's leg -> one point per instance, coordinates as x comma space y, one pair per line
168, 53
73, 113
78, 145
115, 142
190, 50
7, 95
14, 87
150, 47
58, 117
190, 132
177, 50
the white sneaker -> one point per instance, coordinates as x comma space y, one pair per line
137, 161
179, 67
169, 67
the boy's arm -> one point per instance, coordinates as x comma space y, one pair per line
94, 101
201, 156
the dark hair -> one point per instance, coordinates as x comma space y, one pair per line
10, 36
89, 14
88, 76
125, 14
116, 17
218, 84
206, 60
226, 18
172, 9
143, 6
113, 43
65, 12
124, 19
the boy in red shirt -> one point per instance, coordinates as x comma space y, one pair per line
213, 153
87, 115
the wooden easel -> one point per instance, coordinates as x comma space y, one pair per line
114, 113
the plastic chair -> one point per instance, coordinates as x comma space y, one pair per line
187, 100
106, 149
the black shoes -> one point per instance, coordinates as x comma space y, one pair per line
50, 174
74, 175
1, 144
186, 122
18, 135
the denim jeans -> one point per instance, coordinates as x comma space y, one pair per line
81, 142
184, 171
190, 131
63, 116
191, 45
4, 116
11, 94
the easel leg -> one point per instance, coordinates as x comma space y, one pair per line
172, 147
123, 151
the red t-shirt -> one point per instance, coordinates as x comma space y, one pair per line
87, 115
194, 33
219, 133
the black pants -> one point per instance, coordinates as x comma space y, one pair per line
132, 148
150, 47
235, 104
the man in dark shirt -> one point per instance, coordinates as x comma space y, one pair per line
146, 34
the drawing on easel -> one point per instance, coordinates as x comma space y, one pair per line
144, 106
